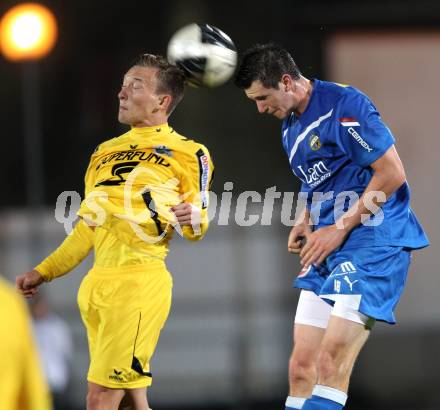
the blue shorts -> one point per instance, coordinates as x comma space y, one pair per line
369, 280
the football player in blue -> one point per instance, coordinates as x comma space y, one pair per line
357, 231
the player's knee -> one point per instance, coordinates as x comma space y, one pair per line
330, 364
126, 403
302, 367
93, 400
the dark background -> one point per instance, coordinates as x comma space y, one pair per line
97, 41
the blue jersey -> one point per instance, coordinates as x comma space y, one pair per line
330, 148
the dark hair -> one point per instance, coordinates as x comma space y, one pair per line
266, 63
170, 79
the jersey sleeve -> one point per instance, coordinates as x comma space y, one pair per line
89, 178
69, 254
362, 135
195, 187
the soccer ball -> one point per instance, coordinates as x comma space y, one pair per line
206, 55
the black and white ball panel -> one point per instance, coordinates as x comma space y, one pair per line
206, 54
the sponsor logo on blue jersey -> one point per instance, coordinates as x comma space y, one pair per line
314, 175
359, 139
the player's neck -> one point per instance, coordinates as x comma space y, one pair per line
151, 122
305, 88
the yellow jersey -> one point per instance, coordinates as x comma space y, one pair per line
22, 383
131, 183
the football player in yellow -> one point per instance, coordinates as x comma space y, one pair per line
140, 188
22, 384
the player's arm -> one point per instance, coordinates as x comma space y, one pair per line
192, 213
69, 254
388, 177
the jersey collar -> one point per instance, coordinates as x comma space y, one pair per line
162, 128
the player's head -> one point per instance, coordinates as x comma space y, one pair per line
268, 74
150, 91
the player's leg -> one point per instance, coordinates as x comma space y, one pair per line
126, 403
303, 372
340, 347
365, 285
311, 319
103, 398
135, 399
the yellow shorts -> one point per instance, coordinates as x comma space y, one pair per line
124, 310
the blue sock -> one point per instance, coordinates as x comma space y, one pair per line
325, 398
294, 403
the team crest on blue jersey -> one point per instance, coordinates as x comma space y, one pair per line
314, 141
163, 150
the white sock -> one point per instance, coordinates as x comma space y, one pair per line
330, 393
295, 402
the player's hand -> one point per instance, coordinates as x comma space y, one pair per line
296, 237
27, 283
320, 244
187, 214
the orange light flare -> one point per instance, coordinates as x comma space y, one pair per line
28, 31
